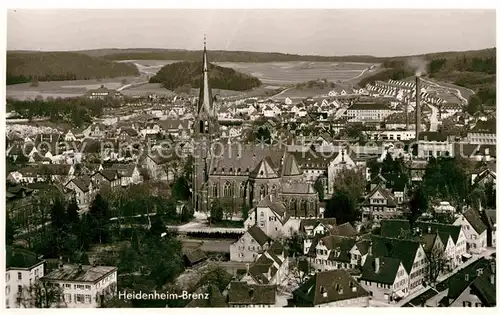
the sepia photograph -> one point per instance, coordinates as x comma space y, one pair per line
263, 158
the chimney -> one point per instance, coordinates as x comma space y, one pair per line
377, 264
417, 107
248, 268
370, 249
492, 279
466, 277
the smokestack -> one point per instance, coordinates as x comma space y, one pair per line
417, 106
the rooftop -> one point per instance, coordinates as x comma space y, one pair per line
77, 273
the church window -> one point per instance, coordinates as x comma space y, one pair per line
242, 190
228, 192
262, 191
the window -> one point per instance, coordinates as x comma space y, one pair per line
87, 287
19, 288
7, 289
7, 276
67, 285
467, 304
19, 276
79, 298
87, 299
479, 305
67, 298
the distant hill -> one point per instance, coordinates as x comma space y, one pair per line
184, 73
218, 55
26, 66
475, 69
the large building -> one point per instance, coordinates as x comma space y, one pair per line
24, 268
84, 286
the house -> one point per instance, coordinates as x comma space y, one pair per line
103, 93
312, 227
106, 178
96, 130
339, 161
84, 286
334, 288
23, 268
475, 230
330, 252
434, 144
250, 244
271, 267
484, 132
83, 188
194, 257
393, 254
474, 286
490, 220
161, 166
129, 174
215, 297
380, 204
270, 216
242, 294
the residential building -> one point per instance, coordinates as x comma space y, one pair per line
84, 286
23, 269
334, 288
269, 215
475, 230
434, 144
250, 244
380, 204
271, 267
368, 112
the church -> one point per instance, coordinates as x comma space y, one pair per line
243, 173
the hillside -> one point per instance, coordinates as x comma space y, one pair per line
188, 73
475, 70
218, 55
24, 67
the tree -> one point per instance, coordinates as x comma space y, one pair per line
157, 226
216, 211
10, 230
41, 294
474, 105
417, 205
263, 135
99, 216
73, 218
352, 183
58, 216
180, 189
294, 245
446, 179
318, 186
342, 207
436, 262
299, 270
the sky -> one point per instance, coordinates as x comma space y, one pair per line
326, 32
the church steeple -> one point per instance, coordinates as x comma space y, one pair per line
205, 101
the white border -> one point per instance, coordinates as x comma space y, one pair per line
214, 4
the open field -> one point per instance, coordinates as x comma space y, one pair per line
280, 73
63, 88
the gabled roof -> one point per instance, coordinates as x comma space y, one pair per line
20, 258
404, 250
443, 230
275, 206
474, 219
258, 235
290, 166
195, 256
313, 223
386, 194
387, 272
330, 286
346, 230
264, 170
251, 294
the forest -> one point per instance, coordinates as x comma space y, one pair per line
184, 73
24, 67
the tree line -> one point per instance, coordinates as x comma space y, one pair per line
76, 111
61, 66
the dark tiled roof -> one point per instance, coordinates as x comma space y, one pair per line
258, 235
433, 136
195, 256
474, 219
241, 293
20, 258
276, 206
387, 271
329, 286
393, 228
368, 106
290, 166
346, 230
404, 250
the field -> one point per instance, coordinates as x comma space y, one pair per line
273, 75
63, 88
280, 73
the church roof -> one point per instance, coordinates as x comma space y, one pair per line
290, 166
264, 170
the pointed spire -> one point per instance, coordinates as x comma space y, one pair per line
205, 101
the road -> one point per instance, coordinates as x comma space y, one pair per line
434, 118
280, 93
454, 91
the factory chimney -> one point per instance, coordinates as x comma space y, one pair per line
417, 106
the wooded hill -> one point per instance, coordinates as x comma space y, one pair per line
25, 67
183, 73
